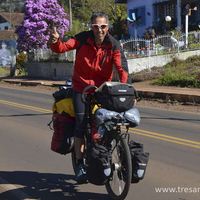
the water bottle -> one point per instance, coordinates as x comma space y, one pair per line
107, 170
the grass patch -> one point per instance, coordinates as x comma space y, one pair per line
181, 73
173, 78
4, 71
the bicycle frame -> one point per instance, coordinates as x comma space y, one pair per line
116, 139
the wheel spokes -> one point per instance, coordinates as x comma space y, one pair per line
117, 182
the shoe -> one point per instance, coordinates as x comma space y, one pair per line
81, 176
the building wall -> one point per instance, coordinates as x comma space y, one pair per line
4, 25
63, 71
175, 9
137, 29
47, 70
139, 64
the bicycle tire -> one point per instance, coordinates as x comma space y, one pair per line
125, 171
73, 157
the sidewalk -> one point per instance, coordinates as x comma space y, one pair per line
145, 90
168, 93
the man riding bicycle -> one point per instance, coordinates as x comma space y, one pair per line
96, 54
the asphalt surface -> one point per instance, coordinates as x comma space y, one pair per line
30, 170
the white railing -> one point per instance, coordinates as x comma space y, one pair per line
133, 48
39, 55
165, 44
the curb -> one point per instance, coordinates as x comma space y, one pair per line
170, 97
167, 97
26, 82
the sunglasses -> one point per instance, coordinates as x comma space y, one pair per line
97, 26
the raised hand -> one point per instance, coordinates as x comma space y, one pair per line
54, 35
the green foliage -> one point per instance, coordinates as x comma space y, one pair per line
20, 63
175, 78
4, 71
76, 28
181, 73
194, 46
83, 9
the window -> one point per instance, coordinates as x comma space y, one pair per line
139, 14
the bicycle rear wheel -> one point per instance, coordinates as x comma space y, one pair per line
119, 183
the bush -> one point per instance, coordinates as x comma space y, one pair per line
4, 71
177, 79
181, 73
21, 59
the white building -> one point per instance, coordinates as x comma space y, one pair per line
10, 20
8, 23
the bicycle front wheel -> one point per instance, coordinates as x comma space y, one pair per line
119, 183
74, 164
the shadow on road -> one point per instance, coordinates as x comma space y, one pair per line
44, 186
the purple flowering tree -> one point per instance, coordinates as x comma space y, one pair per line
40, 16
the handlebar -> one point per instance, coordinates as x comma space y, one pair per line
90, 89
87, 90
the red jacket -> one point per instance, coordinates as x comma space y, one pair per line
93, 66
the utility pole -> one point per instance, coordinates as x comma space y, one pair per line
10, 13
70, 15
186, 30
188, 13
178, 15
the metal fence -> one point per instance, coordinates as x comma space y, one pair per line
165, 44
133, 48
40, 55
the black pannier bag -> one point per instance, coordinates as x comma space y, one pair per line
98, 164
139, 161
116, 96
65, 92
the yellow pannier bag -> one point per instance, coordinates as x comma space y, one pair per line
66, 106
95, 108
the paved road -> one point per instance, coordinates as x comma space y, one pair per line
28, 169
